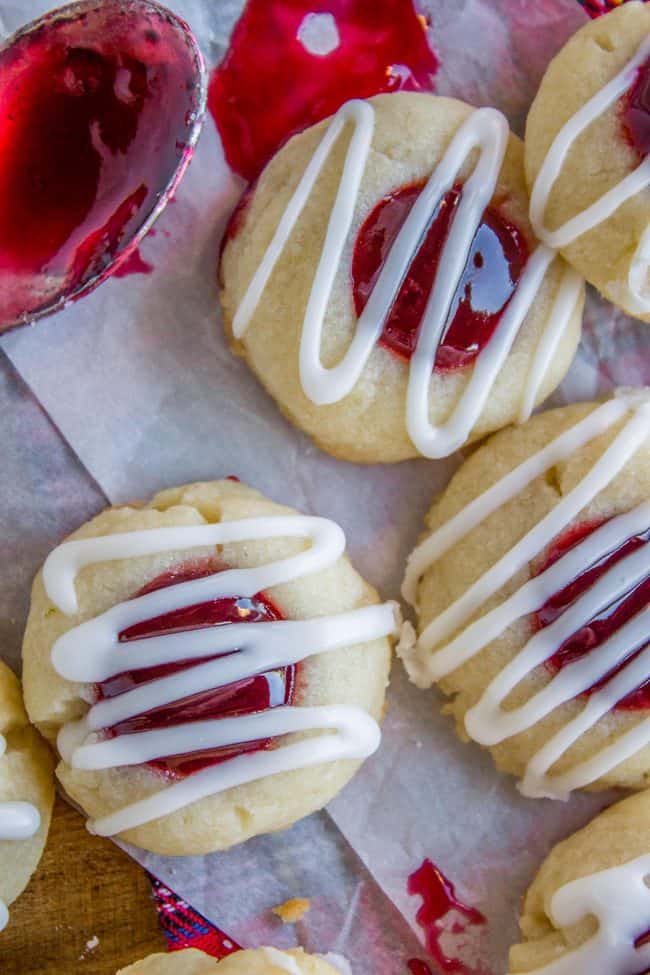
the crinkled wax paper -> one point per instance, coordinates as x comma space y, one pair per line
139, 380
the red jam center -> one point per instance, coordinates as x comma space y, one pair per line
438, 900
271, 85
496, 261
605, 624
248, 696
636, 111
94, 116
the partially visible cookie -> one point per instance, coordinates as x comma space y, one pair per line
590, 902
532, 585
615, 254
26, 793
190, 961
262, 961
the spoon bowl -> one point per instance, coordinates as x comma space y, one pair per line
101, 105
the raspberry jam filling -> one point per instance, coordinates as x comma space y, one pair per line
292, 63
496, 261
248, 696
95, 111
605, 624
439, 900
636, 111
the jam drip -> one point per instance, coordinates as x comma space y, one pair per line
605, 624
96, 110
418, 967
438, 901
636, 112
496, 261
271, 83
247, 696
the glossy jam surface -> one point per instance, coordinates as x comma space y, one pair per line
275, 80
418, 967
246, 696
591, 636
439, 901
96, 110
636, 111
495, 264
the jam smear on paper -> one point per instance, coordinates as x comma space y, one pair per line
418, 967
599, 629
134, 263
439, 900
292, 63
496, 261
636, 111
247, 696
95, 111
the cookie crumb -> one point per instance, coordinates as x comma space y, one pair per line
292, 910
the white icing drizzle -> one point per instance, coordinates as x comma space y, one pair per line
91, 652
597, 212
282, 960
18, 821
288, 963
485, 131
485, 504
337, 962
619, 899
431, 658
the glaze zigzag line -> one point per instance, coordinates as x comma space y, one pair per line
486, 130
597, 212
619, 898
91, 652
431, 659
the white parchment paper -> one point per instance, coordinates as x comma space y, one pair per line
139, 380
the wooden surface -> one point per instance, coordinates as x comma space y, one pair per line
85, 888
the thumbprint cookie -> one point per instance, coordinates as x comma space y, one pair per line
532, 589
209, 664
261, 961
26, 794
587, 156
383, 282
588, 909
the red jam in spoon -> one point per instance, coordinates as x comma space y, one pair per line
292, 63
100, 105
495, 264
247, 696
605, 624
636, 111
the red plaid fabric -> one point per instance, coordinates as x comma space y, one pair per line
596, 8
184, 927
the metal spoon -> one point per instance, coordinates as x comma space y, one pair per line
101, 105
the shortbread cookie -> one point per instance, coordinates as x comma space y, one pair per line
586, 153
588, 909
186, 753
533, 587
327, 303
26, 793
262, 961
